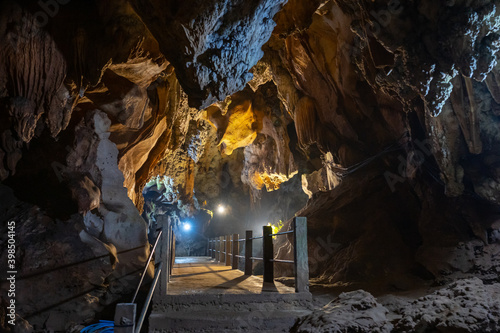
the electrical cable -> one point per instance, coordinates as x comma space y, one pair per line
343, 171
104, 326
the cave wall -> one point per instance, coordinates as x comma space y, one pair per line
407, 117
383, 116
91, 111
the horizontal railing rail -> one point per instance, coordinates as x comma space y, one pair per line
225, 249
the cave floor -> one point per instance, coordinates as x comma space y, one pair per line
205, 296
203, 275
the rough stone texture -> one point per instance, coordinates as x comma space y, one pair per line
464, 306
51, 250
454, 38
355, 311
212, 47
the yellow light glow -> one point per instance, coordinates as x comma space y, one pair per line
221, 209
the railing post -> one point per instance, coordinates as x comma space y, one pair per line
171, 254
162, 255
228, 250
268, 254
301, 255
213, 248
125, 318
248, 252
222, 249
169, 251
217, 249
236, 250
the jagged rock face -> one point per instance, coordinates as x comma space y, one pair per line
450, 39
60, 105
51, 251
384, 113
466, 305
257, 121
355, 311
392, 108
212, 47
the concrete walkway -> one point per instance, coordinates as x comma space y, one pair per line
204, 296
203, 275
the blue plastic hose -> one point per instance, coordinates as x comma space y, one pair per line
104, 326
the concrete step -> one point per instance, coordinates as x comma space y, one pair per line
229, 313
241, 301
225, 321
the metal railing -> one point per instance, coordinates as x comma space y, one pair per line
225, 249
125, 313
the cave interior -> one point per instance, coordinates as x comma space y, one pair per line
376, 120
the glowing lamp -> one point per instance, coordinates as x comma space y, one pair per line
186, 226
221, 209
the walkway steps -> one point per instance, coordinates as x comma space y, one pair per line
206, 297
229, 313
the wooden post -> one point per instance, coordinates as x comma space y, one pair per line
228, 250
209, 250
169, 242
125, 318
248, 252
217, 249
171, 253
161, 255
301, 255
268, 254
213, 248
236, 250
222, 249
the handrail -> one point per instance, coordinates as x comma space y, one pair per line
125, 313
147, 264
283, 233
284, 261
225, 249
35, 274
140, 321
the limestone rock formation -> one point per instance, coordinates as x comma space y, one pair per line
60, 277
464, 306
355, 311
377, 120
212, 47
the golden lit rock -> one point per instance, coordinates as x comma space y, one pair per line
242, 128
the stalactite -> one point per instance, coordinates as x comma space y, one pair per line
493, 84
466, 110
